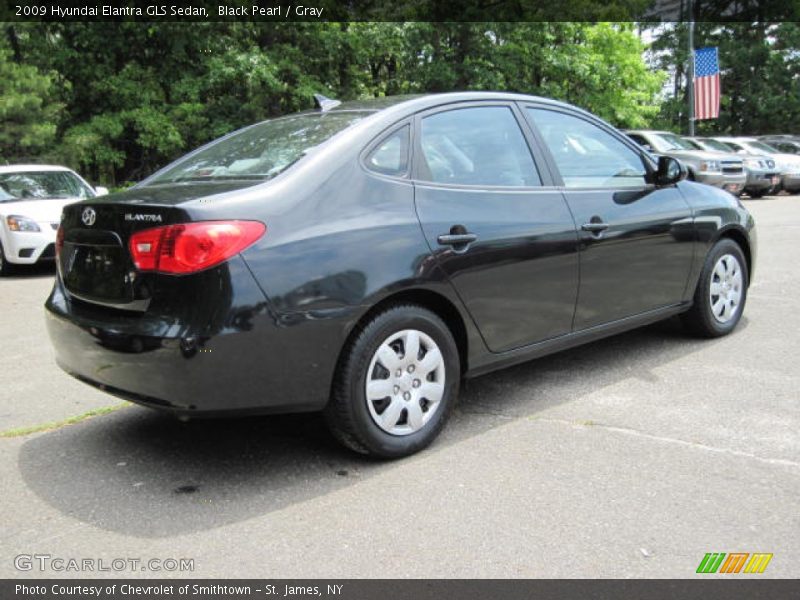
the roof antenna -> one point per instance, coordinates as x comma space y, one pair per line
325, 104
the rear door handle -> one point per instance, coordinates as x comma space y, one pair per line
594, 227
456, 239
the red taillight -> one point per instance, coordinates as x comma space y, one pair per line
190, 247
59, 240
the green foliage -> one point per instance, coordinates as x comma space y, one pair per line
136, 95
28, 112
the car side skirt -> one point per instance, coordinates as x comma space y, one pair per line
493, 362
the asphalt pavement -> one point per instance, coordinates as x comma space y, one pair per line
630, 457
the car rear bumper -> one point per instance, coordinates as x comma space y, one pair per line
250, 364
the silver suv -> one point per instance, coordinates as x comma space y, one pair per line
724, 171
763, 176
788, 164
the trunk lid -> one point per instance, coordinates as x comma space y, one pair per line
95, 264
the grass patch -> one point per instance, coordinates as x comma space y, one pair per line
20, 431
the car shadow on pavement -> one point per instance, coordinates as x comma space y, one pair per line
37, 271
146, 474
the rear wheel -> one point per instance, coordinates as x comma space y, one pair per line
721, 292
397, 383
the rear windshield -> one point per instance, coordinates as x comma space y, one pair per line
261, 151
41, 185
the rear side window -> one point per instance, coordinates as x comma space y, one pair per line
390, 156
585, 154
477, 146
638, 139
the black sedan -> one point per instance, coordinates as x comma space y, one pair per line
362, 258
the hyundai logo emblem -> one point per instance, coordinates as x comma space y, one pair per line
88, 216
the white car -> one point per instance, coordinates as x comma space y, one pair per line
31, 199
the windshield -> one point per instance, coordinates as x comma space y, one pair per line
42, 185
261, 151
715, 145
674, 142
762, 147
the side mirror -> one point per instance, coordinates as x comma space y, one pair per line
100, 190
670, 171
648, 147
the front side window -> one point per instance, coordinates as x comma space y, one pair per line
259, 152
390, 157
477, 146
585, 154
42, 185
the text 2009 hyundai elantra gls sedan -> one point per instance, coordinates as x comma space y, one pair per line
363, 258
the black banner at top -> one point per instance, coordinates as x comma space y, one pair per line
406, 10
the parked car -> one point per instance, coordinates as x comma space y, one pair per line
788, 144
363, 258
763, 176
788, 164
31, 199
725, 171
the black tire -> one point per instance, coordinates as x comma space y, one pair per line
700, 319
757, 193
348, 414
5, 267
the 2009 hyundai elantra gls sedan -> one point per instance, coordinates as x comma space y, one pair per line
363, 258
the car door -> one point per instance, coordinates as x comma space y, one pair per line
496, 225
636, 240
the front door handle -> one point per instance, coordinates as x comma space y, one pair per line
456, 239
594, 227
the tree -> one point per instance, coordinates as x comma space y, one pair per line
760, 77
137, 95
28, 112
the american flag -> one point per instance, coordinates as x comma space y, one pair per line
706, 83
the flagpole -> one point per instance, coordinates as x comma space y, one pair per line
690, 76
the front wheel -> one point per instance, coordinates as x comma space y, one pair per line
721, 292
5, 266
396, 384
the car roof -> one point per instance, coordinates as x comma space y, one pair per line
417, 102
650, 131
31, 167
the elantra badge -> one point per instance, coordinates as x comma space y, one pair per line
88, 216
142, 217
